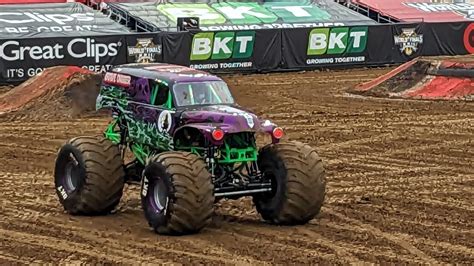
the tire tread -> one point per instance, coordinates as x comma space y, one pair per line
305, 185
192, 207
103, 187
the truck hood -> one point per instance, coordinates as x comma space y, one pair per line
228, 118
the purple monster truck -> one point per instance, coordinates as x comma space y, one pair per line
192, 145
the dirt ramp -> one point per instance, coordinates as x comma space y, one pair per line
56, 93
445, 78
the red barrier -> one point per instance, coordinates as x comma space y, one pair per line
444, 88
418, 10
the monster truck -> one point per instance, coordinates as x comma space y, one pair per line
189, 145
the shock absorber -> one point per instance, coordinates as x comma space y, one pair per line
210, 161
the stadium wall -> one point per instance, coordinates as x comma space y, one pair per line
241, 51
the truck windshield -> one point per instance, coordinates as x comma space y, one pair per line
203, 92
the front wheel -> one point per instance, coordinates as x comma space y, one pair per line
298, 183
177, 193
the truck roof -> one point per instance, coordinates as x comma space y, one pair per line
167, 72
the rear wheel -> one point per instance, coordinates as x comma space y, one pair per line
89, 176
299, 184
177, 193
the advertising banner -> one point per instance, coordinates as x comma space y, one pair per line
23, 58
225, 51
354, 45
325, 46
455, 38
177, 48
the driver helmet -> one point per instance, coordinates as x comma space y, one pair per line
201, 93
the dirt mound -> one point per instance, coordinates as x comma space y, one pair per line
57, 93
425, 78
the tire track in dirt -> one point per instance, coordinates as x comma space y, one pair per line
291, 237
61, 245
341, 252
424, 241
275, 83
221, 252
107, 238
237, 233
27, 148
305, 235
7, 258
397, 239
135, 249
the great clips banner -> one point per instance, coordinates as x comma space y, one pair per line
23, 58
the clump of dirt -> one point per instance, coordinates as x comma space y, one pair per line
58, 93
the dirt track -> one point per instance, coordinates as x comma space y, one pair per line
400, 173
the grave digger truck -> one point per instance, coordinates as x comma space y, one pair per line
192, 145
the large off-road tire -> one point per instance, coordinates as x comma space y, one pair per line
298, 183
177, 193
89, 176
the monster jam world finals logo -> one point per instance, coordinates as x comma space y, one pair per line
145, 51
408, 41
